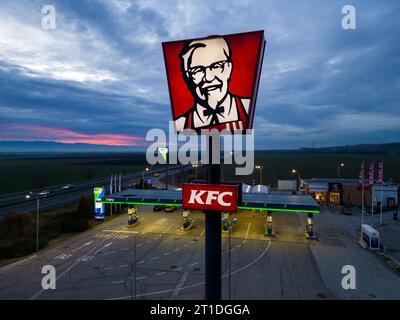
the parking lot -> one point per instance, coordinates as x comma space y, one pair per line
155, 259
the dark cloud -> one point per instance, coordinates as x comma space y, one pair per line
320, 84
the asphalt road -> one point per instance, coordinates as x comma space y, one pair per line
16, 201
155, 259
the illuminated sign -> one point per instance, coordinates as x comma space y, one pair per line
99, 207
213, 81
164, 153
209, 197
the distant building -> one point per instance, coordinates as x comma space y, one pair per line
287, 185
348, 192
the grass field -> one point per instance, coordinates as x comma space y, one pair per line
279, 166
18, 173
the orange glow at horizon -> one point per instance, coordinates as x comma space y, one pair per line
21, 132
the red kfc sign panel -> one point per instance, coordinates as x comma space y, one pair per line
209, 197
213, 81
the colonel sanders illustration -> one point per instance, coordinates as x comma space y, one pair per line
206, 67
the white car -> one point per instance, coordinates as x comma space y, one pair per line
44, 193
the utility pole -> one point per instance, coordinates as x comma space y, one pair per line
37, 222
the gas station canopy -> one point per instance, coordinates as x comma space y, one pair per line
250, 201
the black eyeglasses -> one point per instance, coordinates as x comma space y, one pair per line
200, 71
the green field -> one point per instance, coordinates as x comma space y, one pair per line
279, 166
18, 173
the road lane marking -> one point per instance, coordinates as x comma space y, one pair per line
177, 249
125, 249
247, 233
140, 278
38, 293
109, 268
154, 258
179, 286
123, 266
118, 282
120, 231
173, 224
84, 245
63, 256
141, 261
202, 283
186, 245
109, 252
106, 246
160, 273
193, 264
167, 253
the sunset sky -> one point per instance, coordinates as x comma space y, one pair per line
100, 78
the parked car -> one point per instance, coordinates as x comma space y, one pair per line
67, 186
158, 208
170, 208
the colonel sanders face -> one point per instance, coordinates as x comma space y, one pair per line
207, 68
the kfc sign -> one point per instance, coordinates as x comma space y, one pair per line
209, 197
213, 82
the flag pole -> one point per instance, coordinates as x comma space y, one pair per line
381, 189
372, 194
362, 195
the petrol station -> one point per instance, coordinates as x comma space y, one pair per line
213, 85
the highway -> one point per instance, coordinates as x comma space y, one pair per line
16, 202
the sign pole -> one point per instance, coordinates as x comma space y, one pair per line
213, 237
167, 160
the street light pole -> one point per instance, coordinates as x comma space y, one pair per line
260, 168
147, 169
338, 170
37, 223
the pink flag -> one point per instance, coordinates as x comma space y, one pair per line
380, 172
371, 175
361, 176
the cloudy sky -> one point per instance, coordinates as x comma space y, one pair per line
100, 76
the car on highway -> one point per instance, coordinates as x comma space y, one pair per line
67, 186
156, 175
170, 208
43, 193
158, 208
29, 195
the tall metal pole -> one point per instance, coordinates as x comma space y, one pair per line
381, 194
229, 286
213, 238
260, 175
167, 160
135, 267
37, 222
362, 203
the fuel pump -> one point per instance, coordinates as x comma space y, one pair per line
187, 220
133, 217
